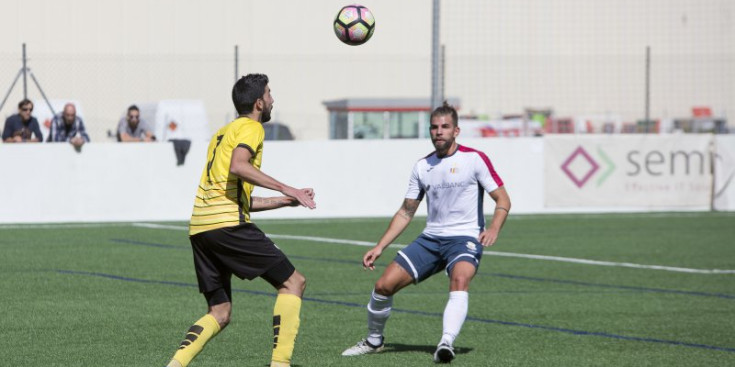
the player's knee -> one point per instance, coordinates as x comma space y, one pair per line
384, 288
296, 283
300, 282
461, 275
460, 283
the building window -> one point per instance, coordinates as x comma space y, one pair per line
392, 118
368, 125
424, 122
404, 125
338, 125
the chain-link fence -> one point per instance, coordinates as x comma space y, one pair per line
535, 66
597, 66
103, 86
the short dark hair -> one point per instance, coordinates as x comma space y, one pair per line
24, 102
247, 90
133, 108
445, 110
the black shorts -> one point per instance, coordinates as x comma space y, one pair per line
243, 250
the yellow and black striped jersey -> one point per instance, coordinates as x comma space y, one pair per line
223, 199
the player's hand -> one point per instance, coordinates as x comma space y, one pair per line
305, 197
309, 192
291, 201
77, 141
488, 237
368, 260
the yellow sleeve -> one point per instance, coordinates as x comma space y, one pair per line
249, 136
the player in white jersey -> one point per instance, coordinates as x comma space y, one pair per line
453, 179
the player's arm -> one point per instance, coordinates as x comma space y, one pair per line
502, 208
400, 221
37, 134
14, 139
241, 167
125, 137
259, 204
83, 131
10, 135
148, 136
397, 225
128, 138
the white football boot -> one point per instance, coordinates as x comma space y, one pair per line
363, 347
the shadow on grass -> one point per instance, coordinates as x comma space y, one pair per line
430, 349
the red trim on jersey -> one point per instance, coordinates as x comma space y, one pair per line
485, 159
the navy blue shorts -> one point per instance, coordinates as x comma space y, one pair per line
426, 256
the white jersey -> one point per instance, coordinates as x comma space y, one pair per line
454, 187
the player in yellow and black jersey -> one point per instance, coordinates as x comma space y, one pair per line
223, 198
224, 240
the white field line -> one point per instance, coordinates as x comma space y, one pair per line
492, 253
610, 263
161, 226
62, 225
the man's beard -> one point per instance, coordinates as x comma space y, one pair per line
266, 116
443, 144
443, 147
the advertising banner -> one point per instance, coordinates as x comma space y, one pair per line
632, 171
724, 163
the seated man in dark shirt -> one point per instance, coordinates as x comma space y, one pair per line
22, 127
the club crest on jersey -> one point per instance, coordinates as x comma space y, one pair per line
471, 246
453, 169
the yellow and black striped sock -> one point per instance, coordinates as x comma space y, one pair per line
285, 328
197, 336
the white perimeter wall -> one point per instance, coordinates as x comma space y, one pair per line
132, 182
724, 167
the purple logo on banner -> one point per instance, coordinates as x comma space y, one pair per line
580, 153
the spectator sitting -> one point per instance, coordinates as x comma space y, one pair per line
22, 127
132, 128
67, 126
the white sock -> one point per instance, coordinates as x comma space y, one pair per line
454, 315
378, 313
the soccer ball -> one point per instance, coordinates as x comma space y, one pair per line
354, 24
